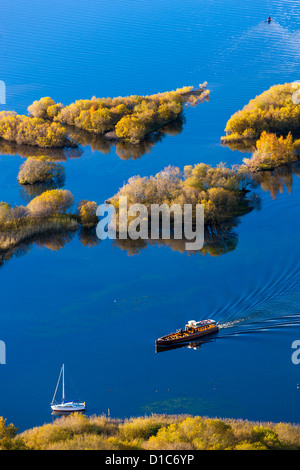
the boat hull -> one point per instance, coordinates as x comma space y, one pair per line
167, 341
67, 409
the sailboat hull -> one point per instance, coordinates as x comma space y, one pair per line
68, 407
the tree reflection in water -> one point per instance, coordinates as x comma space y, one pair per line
30, 191
218, 241
125, 150
53, 240
275, 181
97, 142
53, 154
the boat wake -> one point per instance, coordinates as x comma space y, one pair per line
280, 311
276, 305
267, 41
240, 327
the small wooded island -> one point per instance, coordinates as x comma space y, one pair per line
129, 118
275, 110
47, 213
221, 190
271, 124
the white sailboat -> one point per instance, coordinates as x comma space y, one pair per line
64, 406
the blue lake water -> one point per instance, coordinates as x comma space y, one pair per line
100, 308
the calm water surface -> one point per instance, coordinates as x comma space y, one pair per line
98, 307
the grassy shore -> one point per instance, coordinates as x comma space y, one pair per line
155, 432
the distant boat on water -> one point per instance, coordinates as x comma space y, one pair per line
193, 331
65, 406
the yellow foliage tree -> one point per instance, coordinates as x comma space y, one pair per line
50, 203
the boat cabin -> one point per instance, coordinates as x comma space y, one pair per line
197, 324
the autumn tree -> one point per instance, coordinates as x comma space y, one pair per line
36, 170
51, 203
5, 212
32, 131
8, 437
45, 108
271, 152
86, 211
131, 128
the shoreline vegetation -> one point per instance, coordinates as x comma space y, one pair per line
275, 111
97, 142
44, 215
129, 119
271, 152
269, 125
155, 432
24, 130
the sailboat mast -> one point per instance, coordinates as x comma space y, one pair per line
63, 388
53, 399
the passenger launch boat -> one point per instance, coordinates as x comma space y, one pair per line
64, 406
193, 330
